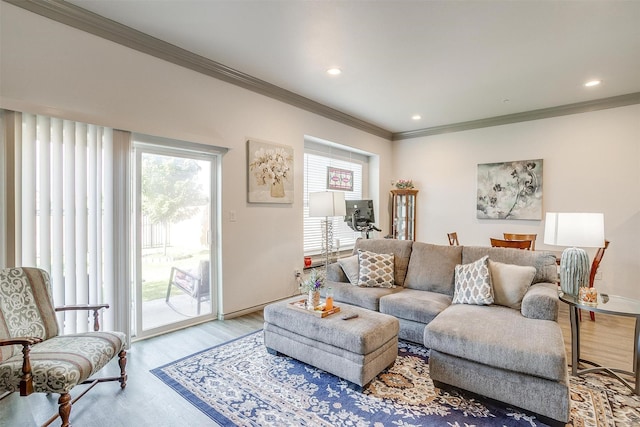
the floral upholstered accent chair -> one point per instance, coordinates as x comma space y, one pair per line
34, 357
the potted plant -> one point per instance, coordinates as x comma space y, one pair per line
311, 285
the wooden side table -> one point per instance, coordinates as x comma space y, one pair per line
607, 304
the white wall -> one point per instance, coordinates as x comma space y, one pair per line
591, 160
591, 164
49, 68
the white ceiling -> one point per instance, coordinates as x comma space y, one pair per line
449, 61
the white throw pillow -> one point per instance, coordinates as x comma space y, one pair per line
510, 283
376, 270
473, 283
351, 268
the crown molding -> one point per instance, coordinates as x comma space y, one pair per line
82, 19
544, 113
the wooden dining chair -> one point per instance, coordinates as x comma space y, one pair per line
518, 244
453, 239
518, 236
594, 270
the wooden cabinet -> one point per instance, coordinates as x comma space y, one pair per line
403, 214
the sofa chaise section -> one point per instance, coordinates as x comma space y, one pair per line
498, 352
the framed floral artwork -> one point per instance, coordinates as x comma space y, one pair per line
270, 172
510, 190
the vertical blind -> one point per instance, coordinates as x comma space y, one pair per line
315, 179
65, 203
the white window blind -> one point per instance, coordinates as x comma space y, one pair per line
316, 162
65, 200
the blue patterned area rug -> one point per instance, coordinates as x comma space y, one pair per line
239, 384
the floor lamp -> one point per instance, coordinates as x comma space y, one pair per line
585, 230
327, 204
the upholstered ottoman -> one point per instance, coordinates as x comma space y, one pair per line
356, 349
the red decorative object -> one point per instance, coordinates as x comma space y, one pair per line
307, 261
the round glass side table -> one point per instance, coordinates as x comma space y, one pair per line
607, 304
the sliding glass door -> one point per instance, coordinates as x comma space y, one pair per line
175, 240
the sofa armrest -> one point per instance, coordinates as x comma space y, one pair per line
335, 273
541, 302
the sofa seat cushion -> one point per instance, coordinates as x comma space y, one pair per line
60, 363
417, 306
432, 267
500, 337
401, 249
364, 297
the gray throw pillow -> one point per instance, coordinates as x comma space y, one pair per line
510, 283
473, 283
351, 268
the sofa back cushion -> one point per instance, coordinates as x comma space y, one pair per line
544, 262
432, 267
401, 249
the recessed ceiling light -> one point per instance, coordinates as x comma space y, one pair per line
334, 71
416, 117
592, 83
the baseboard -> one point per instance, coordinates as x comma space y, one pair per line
249, 310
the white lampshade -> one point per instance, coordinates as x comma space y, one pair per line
584, 230
327, 203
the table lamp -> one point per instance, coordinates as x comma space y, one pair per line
576, 230
327, 204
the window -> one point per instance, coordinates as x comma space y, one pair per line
317, 158
64, 197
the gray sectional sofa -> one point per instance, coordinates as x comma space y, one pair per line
513, 353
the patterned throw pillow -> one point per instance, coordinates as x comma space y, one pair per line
473, 283
376, 270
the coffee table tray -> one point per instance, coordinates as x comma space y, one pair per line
318, 312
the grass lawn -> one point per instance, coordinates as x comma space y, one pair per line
156, 274
158, 290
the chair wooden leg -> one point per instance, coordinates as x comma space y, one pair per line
122, 361
65, 408
593, 315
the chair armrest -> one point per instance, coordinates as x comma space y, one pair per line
541, 302
95, 307
82, 307
26, 381
21, 341
185, 272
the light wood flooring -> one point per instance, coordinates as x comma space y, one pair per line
148, 402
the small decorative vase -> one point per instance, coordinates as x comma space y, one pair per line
588, 296
574, 270
313, 300
277, 189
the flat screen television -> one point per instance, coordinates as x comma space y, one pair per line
363, 210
